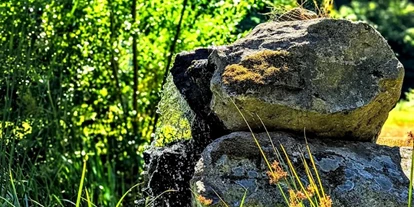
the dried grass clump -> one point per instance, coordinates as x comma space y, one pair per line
299, 12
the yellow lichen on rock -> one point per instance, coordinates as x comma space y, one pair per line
256, 68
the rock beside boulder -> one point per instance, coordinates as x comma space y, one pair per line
353, 174
336, 78
192, 74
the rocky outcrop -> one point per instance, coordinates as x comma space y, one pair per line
336, 78
352, 173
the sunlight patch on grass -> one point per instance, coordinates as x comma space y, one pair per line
400, 121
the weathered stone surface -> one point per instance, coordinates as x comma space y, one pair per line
406, 153
352, 173
335, 78
170, 168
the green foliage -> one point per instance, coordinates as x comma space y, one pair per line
407, 104
66, 88
67, 82
212, 23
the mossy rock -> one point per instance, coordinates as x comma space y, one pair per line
336, 78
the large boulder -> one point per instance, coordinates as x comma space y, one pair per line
352, 173
336, 78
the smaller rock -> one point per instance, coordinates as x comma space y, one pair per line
352, 173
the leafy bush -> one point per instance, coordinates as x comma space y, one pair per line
67, 85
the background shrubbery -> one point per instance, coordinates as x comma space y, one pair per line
68, 79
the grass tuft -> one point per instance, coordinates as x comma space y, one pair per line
277, 173
303, 10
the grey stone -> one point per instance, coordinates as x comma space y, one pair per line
359, 174
336, 78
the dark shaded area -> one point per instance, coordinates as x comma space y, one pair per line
172, 166
192, 74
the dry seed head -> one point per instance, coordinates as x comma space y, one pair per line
325, 202
410, 137
204, 201
276, 174
300, 195
311, 189
298, 13
293, 201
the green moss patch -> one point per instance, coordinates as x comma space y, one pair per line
261, 68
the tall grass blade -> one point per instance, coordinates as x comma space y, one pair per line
296, 176
310, 177
221, 199
89, 203
88, 199
158, 196
410, 188
14, 188
126, 193
68, 201
254, 137
7, 202
37, 203
81, 184
313, 164
260, 148
279, 157
244, 197
58, 200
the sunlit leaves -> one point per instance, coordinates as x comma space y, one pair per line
67, 72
